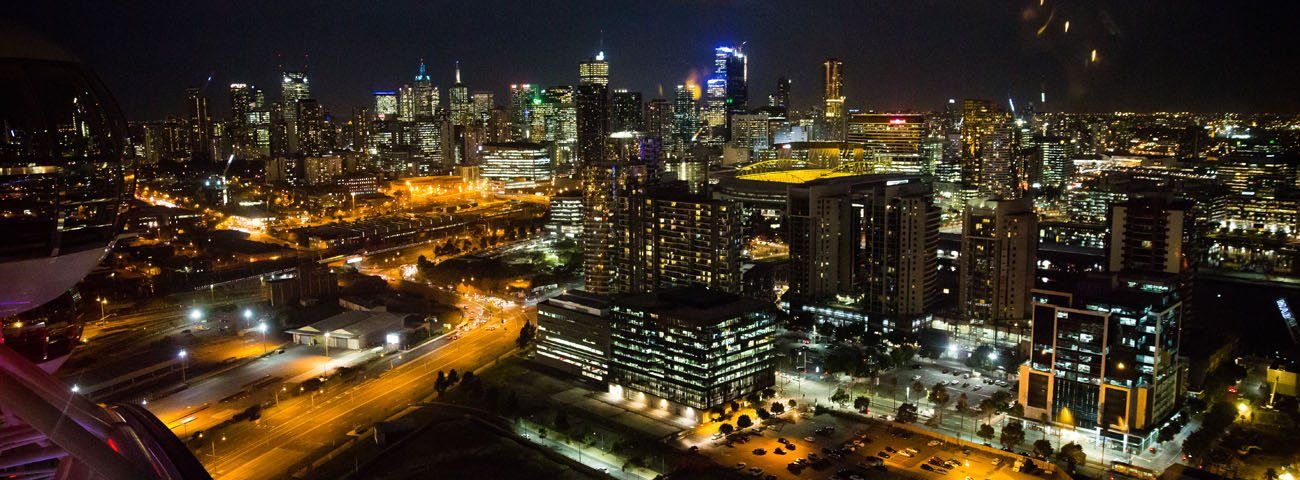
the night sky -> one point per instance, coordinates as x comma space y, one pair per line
1152, 55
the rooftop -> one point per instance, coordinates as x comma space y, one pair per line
697, 305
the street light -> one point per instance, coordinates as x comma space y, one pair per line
248, 314
183, 354
261, 327
102, 302
196, 314
327, 344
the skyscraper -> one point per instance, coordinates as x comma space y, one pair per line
385, 104
894, 139
522, 96
999, 246
626, 111
782, 96
462, 111
293, 88
311, 127
201, 148
425, 101
670, 237
594, 70
482, 103
243, 101
659, 119
988, 164
630, 165
1152, 234
869, 238
592, 102
727, 91
833, 97
685, 113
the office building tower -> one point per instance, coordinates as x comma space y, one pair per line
200, 123
999, 245
425, 97
517, 165
781, 98
726, 92
481, 106
869, 238
573, 335
670, 237
592, 110
311, 127
659, 119
522, 97
462, 111
499, 127
627, 113
385, 104
1052, 156
751, 131
685, 114
630, 165
427, 140
892, 139
244, 100
293, 88
560, 114
1104, 357
594, 71
564, 219
833, 98
989, 151
689, 349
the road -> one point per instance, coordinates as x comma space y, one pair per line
289, 437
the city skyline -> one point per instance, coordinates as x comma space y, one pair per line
901, 58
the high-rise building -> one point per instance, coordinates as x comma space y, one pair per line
669, 237
522, 98
482, 103
312, 127
689, 349
385, 104
594, 70
630, 165
782, 96
627, 113
726, 92
1052, 156
872, 239
293, 88
462, 111
564, 218
989, 149
425, 97
833, 97
999, 246
751, 131
201, 148
517, 165
1104, 356
685, 113
659, 119
573, 335
1152, 234
244, 99
893, 138
592, 111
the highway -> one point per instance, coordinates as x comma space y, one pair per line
291, 436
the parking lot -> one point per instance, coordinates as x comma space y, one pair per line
976, 386
824, 452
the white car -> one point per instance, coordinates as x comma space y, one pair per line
934, 443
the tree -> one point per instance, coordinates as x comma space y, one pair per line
763, 413
526, 334
778, 408
726, 429
917, 387
962, 404
862, 403
792, 403
939, 396
1013, 434
906, 413
988, 407
1072, 454
840, 396
1199, 443
743, 421
1167, 433
1043, 447
441, 383
901, 355
985, 432
452, 378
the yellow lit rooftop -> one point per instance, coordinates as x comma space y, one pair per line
794, 176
